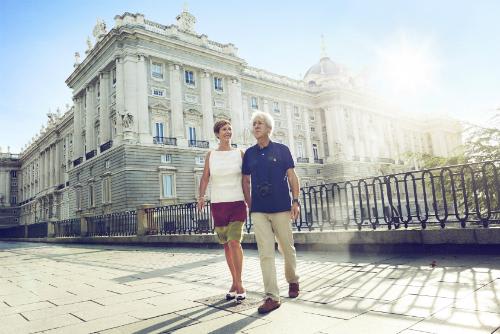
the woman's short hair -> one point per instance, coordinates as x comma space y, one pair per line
264, 116
219, 124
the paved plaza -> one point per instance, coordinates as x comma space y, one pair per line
53, 288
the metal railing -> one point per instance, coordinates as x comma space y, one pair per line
198, 143
165, 141
37, 230
453, 196
113, 224
179, 219
106, 146
67, 228
12, 232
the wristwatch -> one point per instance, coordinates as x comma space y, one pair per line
296, 200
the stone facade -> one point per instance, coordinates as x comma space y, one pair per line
145, 99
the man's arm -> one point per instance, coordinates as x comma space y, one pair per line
245, 180
293, 180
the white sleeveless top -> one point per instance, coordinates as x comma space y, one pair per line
225, 176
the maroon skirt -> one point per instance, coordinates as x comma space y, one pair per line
227, 212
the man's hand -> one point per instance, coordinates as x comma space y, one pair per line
295, 211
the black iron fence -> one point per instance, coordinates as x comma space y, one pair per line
114, 224
67, 228
12, 232
453, 196
38, 230
179, 219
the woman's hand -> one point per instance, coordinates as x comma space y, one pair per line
201, 203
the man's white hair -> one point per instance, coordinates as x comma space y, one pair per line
263, 116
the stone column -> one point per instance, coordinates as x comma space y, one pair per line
47, 167
120, 101
176, 102
291, 139
247, 134
77, 126
57, 163
142, 104
90, 119
309, 150
206, 106
131, 99
41, 172
265, 105
51, 166
236, 109
7, 187
104, 114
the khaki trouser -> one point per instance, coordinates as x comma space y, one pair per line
267, 226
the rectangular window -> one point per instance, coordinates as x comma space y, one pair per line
98, 90
300, 150
107, 164
296, 113
106, 190
313, 129
157, 70
159, 131
166, 158
167, 181
276, 108
253, 103
13, 200
78, 198
189, 77
312, 117
200, 160
91, 196
315, 151
158, 92
13, 174
113, 75
218, 84
192, 133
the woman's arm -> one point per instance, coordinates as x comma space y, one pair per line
204, 183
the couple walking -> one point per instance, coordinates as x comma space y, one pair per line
262, 178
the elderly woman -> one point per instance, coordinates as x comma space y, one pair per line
223, 171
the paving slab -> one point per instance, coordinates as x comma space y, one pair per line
54, 288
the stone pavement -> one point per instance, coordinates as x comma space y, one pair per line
53, 288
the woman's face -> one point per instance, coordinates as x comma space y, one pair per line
225, 133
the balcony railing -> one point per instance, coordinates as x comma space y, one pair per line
386, 160
78, 161
106, 146
318, 161
302, 160
165, 141
90, 155
198, 143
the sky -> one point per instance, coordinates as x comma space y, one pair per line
429, 57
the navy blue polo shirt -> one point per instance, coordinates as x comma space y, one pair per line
268, 166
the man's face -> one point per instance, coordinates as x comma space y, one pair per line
260, 129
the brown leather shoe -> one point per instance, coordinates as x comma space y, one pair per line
293, 290
268, 306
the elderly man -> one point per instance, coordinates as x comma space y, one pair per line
269, 167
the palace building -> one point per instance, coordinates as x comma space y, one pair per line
146, 96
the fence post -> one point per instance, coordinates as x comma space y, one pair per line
142, 219
51, 233
83, 226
